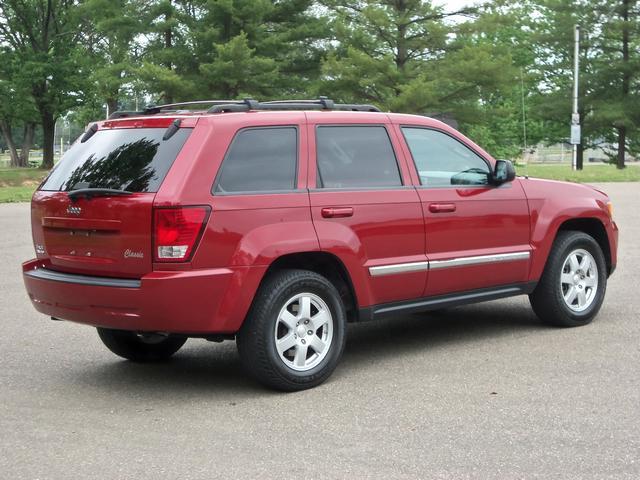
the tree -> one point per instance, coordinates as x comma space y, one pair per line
43, 35
616, 92
16, 110
232, 48
237, 70
506, 127
168, 58
406, 56
608, 103
111, 44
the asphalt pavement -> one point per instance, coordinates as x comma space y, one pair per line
480, 391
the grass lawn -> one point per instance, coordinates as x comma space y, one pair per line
590, 173
16, 194
18, 184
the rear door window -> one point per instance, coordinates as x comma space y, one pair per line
260, 160
136, 160
355, 157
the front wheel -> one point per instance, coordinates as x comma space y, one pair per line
571, 290
294, 334
141, 347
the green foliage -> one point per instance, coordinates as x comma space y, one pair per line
409, 57
114, 29
231, 48
16, 103
43, 37
499, 69
238, 71
604, 105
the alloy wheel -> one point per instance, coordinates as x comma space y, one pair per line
579, 280
303, 331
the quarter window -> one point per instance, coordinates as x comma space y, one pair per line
442, 161
355, 157
260, 160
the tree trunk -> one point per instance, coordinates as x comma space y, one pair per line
579, 156
112, 105
168, 43
5, 128
626, 81
48, 134
622, 140
27, 143
401, 50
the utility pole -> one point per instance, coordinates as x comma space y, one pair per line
575, 116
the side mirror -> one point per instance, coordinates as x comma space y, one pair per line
503, 172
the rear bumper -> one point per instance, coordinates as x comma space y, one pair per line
192, 302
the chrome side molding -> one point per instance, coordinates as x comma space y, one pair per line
478, 260
450, 263
398, 268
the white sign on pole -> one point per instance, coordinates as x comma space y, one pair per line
575, 135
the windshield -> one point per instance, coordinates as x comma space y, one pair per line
135, 160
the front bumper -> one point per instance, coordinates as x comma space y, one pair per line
190, 302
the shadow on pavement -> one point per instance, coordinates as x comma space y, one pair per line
416, 333
207, 368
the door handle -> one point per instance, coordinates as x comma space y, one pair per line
442, 207
337, 212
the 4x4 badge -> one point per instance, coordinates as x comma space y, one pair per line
74, 210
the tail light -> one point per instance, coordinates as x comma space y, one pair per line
177, 231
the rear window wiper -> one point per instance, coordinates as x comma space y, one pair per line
89, 193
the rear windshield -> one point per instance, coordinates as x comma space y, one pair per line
135, 160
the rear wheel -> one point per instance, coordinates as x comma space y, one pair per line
572, 287
294, 334
141, 347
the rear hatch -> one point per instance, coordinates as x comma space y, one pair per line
93, 214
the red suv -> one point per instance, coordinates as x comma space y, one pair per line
276, 223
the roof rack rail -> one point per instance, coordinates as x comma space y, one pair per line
218, 106
322, 103
153, 109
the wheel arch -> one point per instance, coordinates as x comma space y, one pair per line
547, 222
327, 265
595, 229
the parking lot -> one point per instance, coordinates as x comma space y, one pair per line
482, 391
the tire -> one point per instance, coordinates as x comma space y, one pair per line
141, 347
567, 296
285, 345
